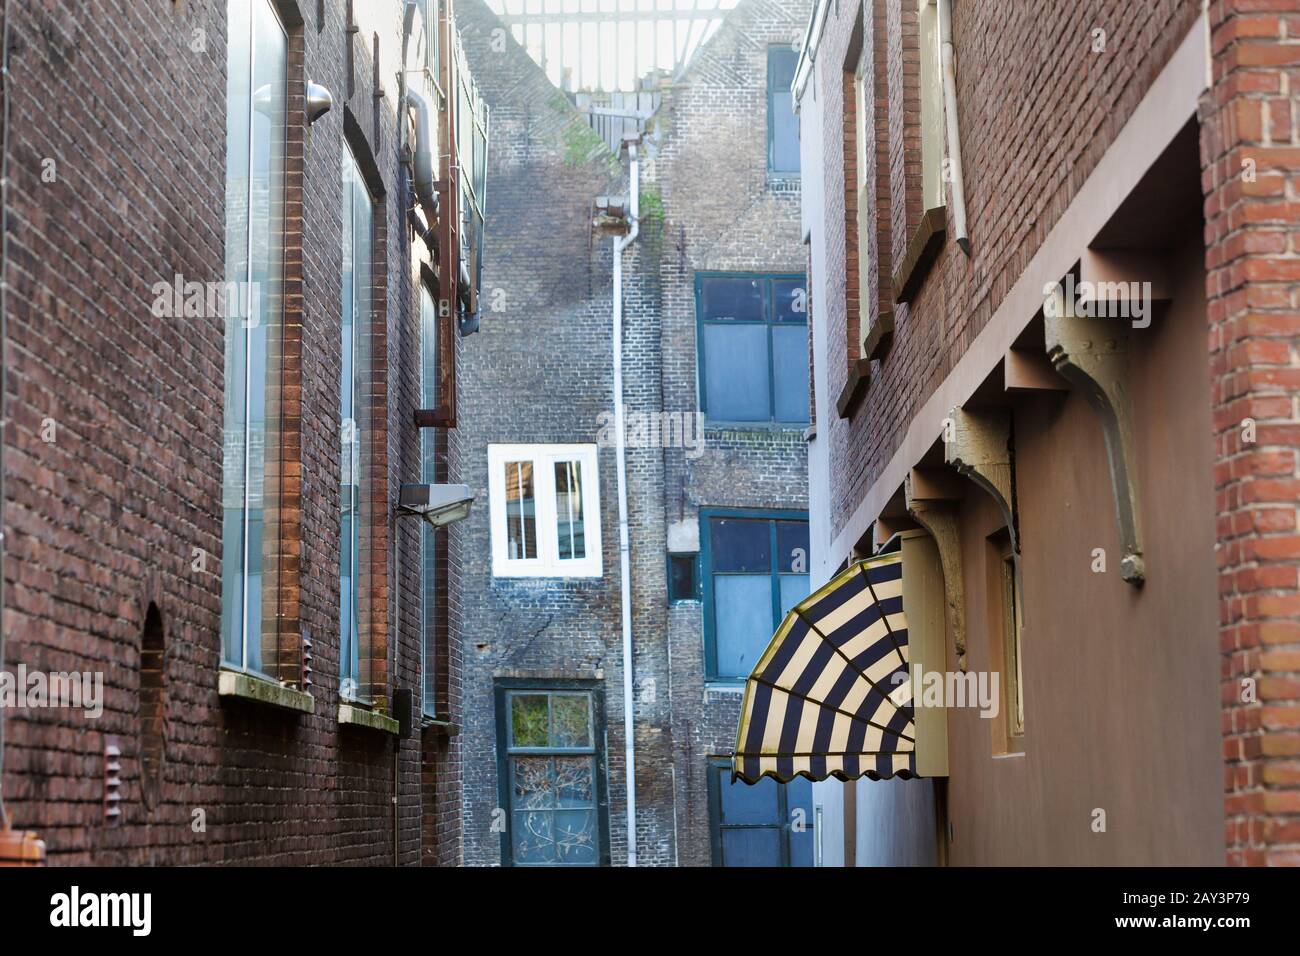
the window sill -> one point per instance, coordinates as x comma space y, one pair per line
716, 427
236, 686
355, 716
439, 725
924, 248
881, 333
855, 389
724, 686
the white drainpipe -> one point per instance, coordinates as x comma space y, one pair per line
949, 74
624, 546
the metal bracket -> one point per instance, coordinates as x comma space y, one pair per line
978, 446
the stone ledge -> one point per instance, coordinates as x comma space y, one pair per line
855, 388
924, 248
237, 686
355, 716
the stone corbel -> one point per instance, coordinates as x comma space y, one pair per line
1091, 353
978, 446
933, 502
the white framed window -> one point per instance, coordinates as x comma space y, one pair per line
932, 135
545, 504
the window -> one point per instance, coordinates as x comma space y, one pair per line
755, 568
683, 578
152, 704
932, 134
551, 775
782, 123
358, 221
1013, 694
764, 824
753, 348
257, 58
545, 510
428, 475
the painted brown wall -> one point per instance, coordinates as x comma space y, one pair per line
1121, 685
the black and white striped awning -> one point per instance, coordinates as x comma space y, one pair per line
831, 695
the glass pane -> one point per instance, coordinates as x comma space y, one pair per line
528, 720
781, 64
785, 133
532, 837
736, 369
532, 783
255, 144
521, 511
745, 804
790, 372
799, 802
574, 782
568, 510
428, 474
575, 837
570, 720
742, 621
353, 417
740, 544
732, 297
682, 582
792, 546
790, 300
794, 588
751, 847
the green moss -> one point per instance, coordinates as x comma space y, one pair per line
582, 144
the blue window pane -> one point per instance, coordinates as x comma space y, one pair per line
532, 835
790, 371
743, 804
743, 617
732, 297
781, 64
785, 134
792, 546
575, 837
799, 803
794, 588
751, 847
740, 544
790, 300
736, 373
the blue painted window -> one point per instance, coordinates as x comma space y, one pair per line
552, 777
753, 345
764, 824
755, 570
257, 65
782, 123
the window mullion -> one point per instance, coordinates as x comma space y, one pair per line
248, 338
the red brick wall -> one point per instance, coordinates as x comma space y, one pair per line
1250, 147
1038, 110
106, 518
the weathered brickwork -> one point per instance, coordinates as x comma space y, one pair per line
541, 371
122, 509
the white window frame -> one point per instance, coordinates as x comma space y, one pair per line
548, 563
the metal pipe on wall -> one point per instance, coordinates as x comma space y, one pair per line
949, 79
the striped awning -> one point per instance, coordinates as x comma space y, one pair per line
831, 695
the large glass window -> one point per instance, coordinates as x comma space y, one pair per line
755, 570
545, 510
257, 57
552, 778
428, 475
358, 224
782, 123
764, 824
753, 348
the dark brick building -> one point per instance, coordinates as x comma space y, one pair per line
161, 147
541, 637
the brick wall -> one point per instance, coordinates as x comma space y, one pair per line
1250, 149
107, 517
